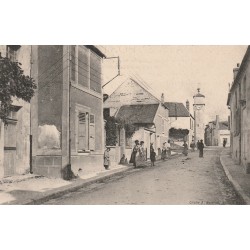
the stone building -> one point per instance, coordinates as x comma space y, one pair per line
15, 136
132, 102
216, 132
181, 118
199, 116
239, 105
66, 111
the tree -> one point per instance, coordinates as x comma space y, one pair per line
13, 83
110, 127
178, 133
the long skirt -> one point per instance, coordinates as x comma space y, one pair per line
132, 158
185, 151
140, 160
201, 152
164, 155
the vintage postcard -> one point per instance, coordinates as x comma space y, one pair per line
134, 124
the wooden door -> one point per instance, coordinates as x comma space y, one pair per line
9, 149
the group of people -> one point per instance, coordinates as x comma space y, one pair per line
139, 158
200, 147
138, 155
166, 150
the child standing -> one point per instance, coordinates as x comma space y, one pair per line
106, 159
152, 155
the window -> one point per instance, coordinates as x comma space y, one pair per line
95, 73
82, 132
92, 133
11, 53
86, 68
86, 132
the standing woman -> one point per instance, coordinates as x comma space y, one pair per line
185, 149
140, 156
201, 146
134, 152
106, 159
164, 152
152, 155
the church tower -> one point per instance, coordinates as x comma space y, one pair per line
199, 116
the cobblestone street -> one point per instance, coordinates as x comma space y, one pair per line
182, 180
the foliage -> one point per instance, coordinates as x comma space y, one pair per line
110, 127
178, 133
13, 83
130, 128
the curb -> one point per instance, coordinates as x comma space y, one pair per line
76, 185
236, 185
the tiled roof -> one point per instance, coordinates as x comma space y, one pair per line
177, 109
144, 113
223, 125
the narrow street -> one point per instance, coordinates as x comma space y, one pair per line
181, 180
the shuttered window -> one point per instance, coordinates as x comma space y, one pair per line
73, 63
82, 145
95, 73
83, 67
92, 133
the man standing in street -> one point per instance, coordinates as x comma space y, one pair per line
200, 147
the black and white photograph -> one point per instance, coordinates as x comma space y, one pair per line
124, 124
107, 125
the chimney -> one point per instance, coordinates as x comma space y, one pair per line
187, 105
235, 70
162, 98
217, 120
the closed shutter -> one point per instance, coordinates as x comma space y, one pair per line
83, 67
73, 63
82, 131
92, 133
95, 73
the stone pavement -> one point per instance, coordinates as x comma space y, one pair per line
33, 189
237, 176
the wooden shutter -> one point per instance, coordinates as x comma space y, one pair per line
95, 73
82, 131
83, 67
92, 132
73, 63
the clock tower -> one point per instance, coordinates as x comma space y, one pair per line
199, 116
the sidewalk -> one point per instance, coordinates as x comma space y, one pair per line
235, 173
32, 189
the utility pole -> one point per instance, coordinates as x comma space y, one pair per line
69, 74
31, 166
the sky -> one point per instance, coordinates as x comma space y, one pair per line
177, 71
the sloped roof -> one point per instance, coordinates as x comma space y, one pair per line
144, 113
223, 125
198, 95
177, 109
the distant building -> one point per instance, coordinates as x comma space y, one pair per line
133, 103
199, 116
181, 118
239, 105
216, 132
